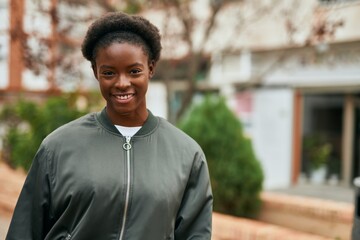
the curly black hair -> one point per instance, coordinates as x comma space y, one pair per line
121, 27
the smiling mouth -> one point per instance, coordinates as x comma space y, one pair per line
124, 96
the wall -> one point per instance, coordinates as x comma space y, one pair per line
272, 134
156, 99
4, 42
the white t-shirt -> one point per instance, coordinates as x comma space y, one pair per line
127, 131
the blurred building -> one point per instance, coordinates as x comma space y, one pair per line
294, 80
40, 53
291, 72
31, 49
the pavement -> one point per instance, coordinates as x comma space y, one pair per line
11, 182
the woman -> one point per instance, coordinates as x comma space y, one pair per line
121, 173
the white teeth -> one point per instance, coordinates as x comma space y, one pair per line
124, 97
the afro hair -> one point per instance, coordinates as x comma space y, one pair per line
121, 22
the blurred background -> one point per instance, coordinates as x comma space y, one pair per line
287, 70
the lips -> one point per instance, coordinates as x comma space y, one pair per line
123, 97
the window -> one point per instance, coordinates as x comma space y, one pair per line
335, 1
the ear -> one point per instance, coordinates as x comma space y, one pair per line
93, 66
152, 66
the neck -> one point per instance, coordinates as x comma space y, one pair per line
133, 119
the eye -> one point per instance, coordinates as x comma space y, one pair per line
107, 73
135, 71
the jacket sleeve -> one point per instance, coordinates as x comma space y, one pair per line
31, 215
194, 218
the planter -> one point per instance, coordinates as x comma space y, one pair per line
318, 176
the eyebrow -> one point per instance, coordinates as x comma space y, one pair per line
132, 65
136, 64
106, 66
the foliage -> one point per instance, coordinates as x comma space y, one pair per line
235, 173
317, 150
28, 123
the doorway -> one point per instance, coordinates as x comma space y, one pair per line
322, 136
356, 146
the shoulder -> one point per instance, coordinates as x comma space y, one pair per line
71, 130
177, 136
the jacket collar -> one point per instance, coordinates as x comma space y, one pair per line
148, 127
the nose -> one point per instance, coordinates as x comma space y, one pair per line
123, 81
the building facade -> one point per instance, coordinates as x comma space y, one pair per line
299, 101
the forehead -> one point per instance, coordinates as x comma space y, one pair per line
121, 37
121, 52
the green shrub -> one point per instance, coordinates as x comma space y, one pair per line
28, 123
236, 174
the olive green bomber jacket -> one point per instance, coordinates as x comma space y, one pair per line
88, 182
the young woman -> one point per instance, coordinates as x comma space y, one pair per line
121, 173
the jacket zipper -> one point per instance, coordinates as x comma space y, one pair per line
127, 147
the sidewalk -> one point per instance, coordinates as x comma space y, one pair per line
10, 185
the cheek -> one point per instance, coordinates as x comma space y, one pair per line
103, 89
146, 86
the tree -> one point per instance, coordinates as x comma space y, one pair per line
55, 54
193, 26
235, 173
190, 23
27, 123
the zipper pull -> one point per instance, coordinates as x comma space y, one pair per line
127, 144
